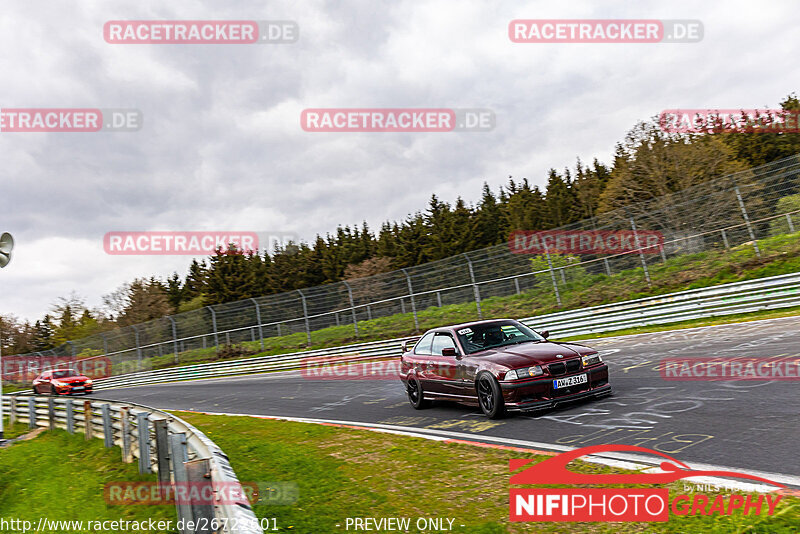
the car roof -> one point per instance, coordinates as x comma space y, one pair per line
472, 323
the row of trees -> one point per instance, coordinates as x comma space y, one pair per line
647, 164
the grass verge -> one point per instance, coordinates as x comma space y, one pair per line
60, 476
345, 473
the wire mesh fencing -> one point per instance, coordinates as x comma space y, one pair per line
722, 214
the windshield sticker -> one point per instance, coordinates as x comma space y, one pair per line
465, 331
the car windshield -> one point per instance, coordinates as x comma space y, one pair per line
484, 336
64, 373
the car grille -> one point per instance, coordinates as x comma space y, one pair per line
76, 384
560, 368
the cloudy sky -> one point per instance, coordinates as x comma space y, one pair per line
221, 147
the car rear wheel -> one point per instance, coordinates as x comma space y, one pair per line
490, 397
415, 394
53, 391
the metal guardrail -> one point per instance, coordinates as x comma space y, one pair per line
157, 439
739, 297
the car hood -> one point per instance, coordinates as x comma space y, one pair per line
525, 354
71, 379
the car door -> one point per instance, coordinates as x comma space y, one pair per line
42, 383
444, 368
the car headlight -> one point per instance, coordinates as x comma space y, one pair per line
591, 359
58, 384
527, 372
88, 383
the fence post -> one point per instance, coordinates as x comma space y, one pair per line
174, 337
88, 429
641, 253
127, 457
352, 306
791, 224
552, 274
108, 428
516, 287
258, 318
475, 289
439, 299
51, 413
747, 221
12, 410
105, 343
31, 412
179, 456
138, 348
214, 325
143, 429
70, 411
413, 303
162, 450
305, 317
725, 240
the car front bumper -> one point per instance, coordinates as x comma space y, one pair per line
539, 394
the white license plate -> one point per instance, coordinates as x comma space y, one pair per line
570, 381
77, 388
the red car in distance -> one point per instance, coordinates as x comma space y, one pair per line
61, 382
500, 365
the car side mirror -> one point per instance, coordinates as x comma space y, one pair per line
449, 351
408, 345
546, 334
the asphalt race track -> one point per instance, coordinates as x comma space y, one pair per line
752, 425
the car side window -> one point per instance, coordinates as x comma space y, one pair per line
423, 346
442, 341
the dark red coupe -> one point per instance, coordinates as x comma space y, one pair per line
500, 365
61, 382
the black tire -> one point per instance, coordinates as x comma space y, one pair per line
415, 394
53, 391
490, 397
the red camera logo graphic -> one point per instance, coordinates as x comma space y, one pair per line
621, 504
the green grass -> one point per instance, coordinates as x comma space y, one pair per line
344, 473
61, 476
779, 255
12, 431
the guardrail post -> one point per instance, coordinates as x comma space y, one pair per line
198, 474
127, 457
87, 420
475, 289
51, 413
258, 318
641, 253
31, 412
725, 240
791, 223
12, 410
352, 306
174, 337
162, 450
413, 303
747, 221
108, 429
179, 456
214, 325
70, 411
552, 274
143, 428
305, 316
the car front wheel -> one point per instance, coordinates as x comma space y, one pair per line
490, 397
415, 394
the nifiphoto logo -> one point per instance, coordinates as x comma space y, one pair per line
623, 504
